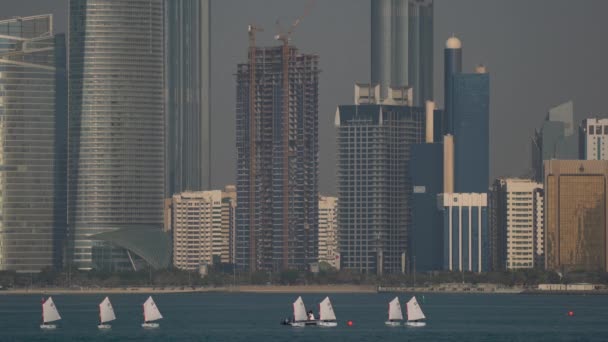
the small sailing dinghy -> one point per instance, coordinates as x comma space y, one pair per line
327, 317
395, 315
415, 316
106, 314
151, 314
300, 317
49, 314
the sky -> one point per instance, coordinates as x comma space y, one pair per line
538, 53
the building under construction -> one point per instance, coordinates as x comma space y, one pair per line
277, 158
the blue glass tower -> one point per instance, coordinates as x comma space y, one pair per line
452, 66
471, 124
426, 235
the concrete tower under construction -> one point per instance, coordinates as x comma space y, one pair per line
277, 158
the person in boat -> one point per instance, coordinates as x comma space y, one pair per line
286, 321
311, 316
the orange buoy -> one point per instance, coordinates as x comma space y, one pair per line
349, 323
570, 313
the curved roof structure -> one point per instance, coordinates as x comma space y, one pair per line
151, 244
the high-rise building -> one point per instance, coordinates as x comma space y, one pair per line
201, 228
374, 185
187, 62
593, 137
465, 231
452, 55
116, 166
575, 215
328, 231
517, 228
33, 103
471, 118
277, 158
402, 46
229, 220
556, 139
539, 227
427, 172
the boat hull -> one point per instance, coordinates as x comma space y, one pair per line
327, 324
150, 325
48, 326
415, 324
393, 323
104, 326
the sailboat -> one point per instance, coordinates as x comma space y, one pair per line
49, 314
327, 317
151, 314
395, 316
106, 314
415, 316
300, 318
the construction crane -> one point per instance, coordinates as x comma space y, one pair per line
285, 36
252, 29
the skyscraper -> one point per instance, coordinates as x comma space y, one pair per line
452, 55
575, 215
471, 117
33, 104
116, 123
402, 46
374, 185
593, 137
187, 61
556, 139
277, 159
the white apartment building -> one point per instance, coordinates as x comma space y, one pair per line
594, 139
328, 231
201, 229
523, 222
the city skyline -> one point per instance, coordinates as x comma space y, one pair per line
552, 58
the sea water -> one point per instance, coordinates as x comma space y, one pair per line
257, 317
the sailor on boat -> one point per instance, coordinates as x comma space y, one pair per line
311, 316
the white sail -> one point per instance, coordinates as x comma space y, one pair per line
326, 311
394, 310
49, 311
151, 312
414, 312
299, 310
106, 311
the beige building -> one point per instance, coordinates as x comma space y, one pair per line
203, 223
328, 231
575, 215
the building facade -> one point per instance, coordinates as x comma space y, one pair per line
374, 185
277, 159
539, 226
116, 161
229, 203
33, 103
187, 62
402, 46
328, 231
593, 139
575, 215
452, 55
465, 232
518, 227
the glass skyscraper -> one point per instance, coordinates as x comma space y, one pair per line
33, 108
471, 118
116, 122
402, 46
188, 102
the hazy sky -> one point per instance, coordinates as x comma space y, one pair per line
539, 53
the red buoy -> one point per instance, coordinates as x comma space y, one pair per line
349, 323
570, 313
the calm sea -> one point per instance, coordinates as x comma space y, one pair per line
256, 317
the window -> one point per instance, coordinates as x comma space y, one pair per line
598, 129
590, 130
